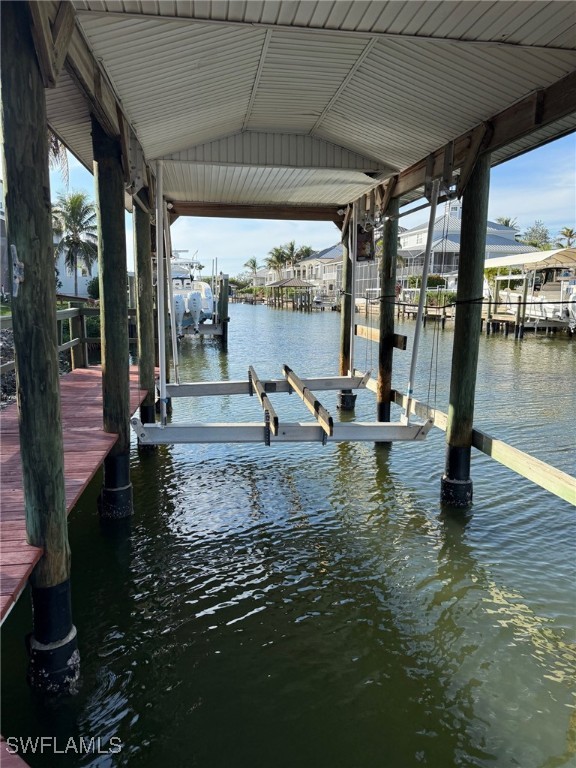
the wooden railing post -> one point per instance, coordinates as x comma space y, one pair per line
79, 353
53, 648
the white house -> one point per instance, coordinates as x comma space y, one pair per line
66, 284
500, 241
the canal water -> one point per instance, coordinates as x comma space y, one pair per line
309, 606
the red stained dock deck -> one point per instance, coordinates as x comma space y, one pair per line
85, 447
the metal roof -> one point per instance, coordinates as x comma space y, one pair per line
327, 254
494, 244
290, 282
308, 103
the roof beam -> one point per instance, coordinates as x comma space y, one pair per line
280, 212
59, 42
526, 116
344, 84
317, 30
51, 40
257, 77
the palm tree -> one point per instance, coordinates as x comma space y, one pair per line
276, 259
569, 235
252, 265
507, 221
57, 157
285, 255
303, 253
74, 220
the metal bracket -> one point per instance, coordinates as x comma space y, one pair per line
250, 383
17, 271
266, 428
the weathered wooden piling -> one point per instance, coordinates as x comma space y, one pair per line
116, 496
223, 292
388, 296
346, 398
456, 485
53, 649
145, 311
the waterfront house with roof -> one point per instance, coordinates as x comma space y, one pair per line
500, 241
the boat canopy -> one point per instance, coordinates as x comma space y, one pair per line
561, 257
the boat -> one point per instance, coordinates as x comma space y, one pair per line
193, 301
550, 293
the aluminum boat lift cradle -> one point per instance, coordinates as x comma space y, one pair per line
272, 430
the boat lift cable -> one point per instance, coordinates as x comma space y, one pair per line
421, 300
160, 286
434, 354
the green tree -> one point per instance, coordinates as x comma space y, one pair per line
74, 221
93, 289
567, 237
57, 157
282, 256
252, 265
506, 221
276, 260
537, 235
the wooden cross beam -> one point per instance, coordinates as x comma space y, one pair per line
51, 41
313, 405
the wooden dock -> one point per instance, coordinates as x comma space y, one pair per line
85, 447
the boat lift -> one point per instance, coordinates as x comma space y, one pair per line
272, 429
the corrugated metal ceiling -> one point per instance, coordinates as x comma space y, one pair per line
385, 82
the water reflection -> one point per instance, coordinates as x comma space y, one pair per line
313, 605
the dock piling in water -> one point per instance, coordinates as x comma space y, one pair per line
116, 497
456, 484
388, 297
145, 311
53, 648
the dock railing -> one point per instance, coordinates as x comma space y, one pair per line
78, 339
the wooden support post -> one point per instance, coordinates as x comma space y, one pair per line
116, 497
53, 648
524, 308
346, 398
456, 486
145, 311
388, 296
518, 323
346, 306
223, 308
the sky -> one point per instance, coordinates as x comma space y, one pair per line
539, 185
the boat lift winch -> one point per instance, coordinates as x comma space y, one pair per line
272, 429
